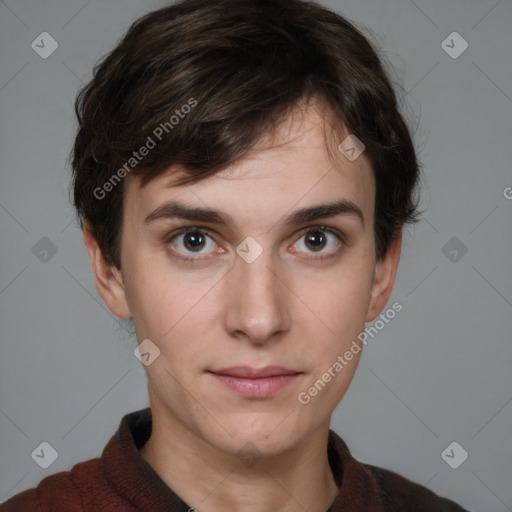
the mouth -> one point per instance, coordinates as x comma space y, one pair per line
255, 382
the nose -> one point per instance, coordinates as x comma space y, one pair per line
258, 303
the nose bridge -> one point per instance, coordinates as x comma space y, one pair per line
256, 305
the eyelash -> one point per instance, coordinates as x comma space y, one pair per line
311, 229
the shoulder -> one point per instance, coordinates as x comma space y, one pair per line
26, 501
380, 488
57, 493
400, 494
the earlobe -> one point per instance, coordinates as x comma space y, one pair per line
384, 278
108, 279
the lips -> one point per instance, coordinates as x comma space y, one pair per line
248, 372
255, 382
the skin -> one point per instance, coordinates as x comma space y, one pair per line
221, 311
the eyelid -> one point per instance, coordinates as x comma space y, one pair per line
169, 237
342, 239
318, 227
186, 229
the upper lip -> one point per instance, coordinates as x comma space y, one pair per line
253, 373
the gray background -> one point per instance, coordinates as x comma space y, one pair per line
439, 372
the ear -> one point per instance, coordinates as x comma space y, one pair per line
108, 279
384, 278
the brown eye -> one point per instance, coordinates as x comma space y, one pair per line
315, 240
194, 240
191, 241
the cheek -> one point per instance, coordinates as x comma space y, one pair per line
165, 301
339, 302
340, 312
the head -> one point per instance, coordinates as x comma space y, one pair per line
234, 112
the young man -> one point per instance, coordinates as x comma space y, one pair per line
242, 176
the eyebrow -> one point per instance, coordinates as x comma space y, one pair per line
176, 210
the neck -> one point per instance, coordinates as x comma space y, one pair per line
210, 480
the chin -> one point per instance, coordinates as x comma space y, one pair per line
270, 434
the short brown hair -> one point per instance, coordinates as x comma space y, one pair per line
242, 65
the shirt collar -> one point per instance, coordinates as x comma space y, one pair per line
134, 479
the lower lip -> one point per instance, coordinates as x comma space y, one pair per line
256, 388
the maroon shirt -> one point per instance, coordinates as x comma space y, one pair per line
122, 481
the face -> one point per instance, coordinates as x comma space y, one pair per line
255, 292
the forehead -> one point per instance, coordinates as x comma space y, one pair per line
296, 165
